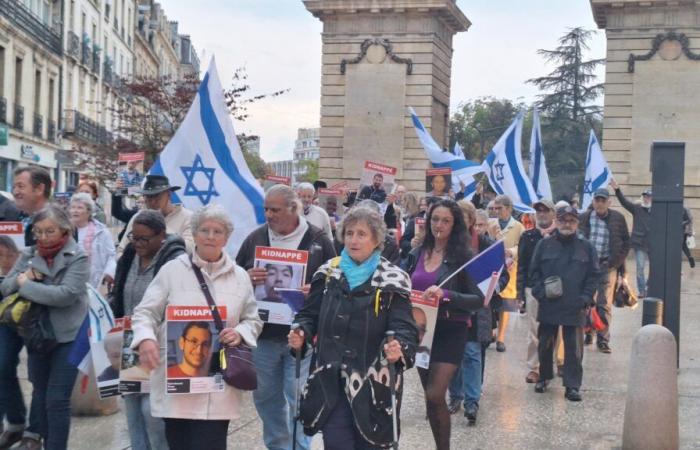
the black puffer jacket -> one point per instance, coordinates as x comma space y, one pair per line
349, 327
619, 235
574, 260
173, 247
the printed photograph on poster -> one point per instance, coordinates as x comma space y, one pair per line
425, 313
192, 350
62, 199
106, 361
420, 227
13, 231
376, 182
280, 297
331, 200
130, 171
133, 378
438, 182
271, 180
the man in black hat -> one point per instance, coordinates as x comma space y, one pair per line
607, 230
564, 275
156, 194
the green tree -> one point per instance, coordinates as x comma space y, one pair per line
310, 167
257, 166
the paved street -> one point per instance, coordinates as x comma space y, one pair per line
511, 414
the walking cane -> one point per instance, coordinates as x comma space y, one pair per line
392, 387
297, 372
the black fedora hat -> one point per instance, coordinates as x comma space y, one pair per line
155, 184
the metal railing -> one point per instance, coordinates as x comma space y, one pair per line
51, 131
86, 54
73, 45
19, 117
3, 110
38, 125
79, 126
96, 60
23, 18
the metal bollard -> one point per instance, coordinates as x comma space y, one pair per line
653, 311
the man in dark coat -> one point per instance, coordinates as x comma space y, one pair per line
375, 191
641, 228
607, 230
564, 275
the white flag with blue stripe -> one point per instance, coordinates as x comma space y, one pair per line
538, 168
486, 267
598, 174
504, 168
98, 321
457, 151
463, 170
204, 157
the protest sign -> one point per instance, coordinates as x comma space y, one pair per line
280, 297
193, 350
14, 231
425, 313
106, 360
331, 200
376, 182
438, 182
271, 180
133, 379
130, 170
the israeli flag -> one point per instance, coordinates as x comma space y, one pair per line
98, 321
504, 168
204, 157
538, 169
486, 267
457, 151
462, 169
598, 174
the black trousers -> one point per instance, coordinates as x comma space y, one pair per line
188, 434
573, 353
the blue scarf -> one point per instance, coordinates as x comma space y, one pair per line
356, 274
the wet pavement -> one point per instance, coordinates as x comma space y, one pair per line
511, 415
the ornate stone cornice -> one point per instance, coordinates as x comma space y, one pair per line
389, 52
601, 8
656, 44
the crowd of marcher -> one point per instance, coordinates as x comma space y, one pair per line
339, 367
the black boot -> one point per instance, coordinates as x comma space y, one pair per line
541, 386
573, 395
691, 261
470, 413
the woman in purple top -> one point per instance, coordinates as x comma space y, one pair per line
444, 250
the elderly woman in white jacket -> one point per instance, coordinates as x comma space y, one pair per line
94, 239
196, 421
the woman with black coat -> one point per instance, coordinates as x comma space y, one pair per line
444, 250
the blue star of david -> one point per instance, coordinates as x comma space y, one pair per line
190, 172
587, 187
499, 171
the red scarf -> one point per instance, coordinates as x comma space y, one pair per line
50, 252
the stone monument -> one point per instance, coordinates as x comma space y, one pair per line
652, 87
379, 58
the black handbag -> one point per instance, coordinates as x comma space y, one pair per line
31, 321
624, 295
236, 362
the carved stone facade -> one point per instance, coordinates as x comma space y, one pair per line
379, 58
652, 87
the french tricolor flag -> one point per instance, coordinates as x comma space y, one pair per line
486, 267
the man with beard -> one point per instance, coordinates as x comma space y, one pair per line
564, 275
374, 192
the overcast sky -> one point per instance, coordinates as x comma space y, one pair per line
279, 44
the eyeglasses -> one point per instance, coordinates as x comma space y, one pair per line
139, 239
206, 345
45, 233
209, 232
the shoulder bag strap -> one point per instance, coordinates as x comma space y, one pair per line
207, 294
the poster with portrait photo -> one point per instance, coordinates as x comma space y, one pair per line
438, 182
331, 200
271, 180
192, 350
425, 312
133, 378
62, 200
377, 181
15, 232
280, 297
106, 360
130, 170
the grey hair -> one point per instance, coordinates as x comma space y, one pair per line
504, 201
305, 186
371, 204
152, 219
290, 197
57, 215
373, 219
85, 199
481, 213
213, 212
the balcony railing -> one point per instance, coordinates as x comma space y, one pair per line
73, 45
3, 110
96, 60
19, 117
38, 125
51, 131
107, 71
30, 24
86, 53
80, 127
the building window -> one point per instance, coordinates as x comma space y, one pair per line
4, 175
37, 92
52, 92
18, 81
2, 71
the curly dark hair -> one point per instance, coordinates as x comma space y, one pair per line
458, 243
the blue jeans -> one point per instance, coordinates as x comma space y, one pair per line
52, 378
275, 397
145, 431
11, 402
466, 384
641, 257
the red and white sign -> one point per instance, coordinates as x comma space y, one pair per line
330, 192
281, 296
381, 168
278, 180
282, 255
438, 171
15, 231
425, 312
126, 157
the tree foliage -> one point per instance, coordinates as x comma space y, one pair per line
257, 166
310, 168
